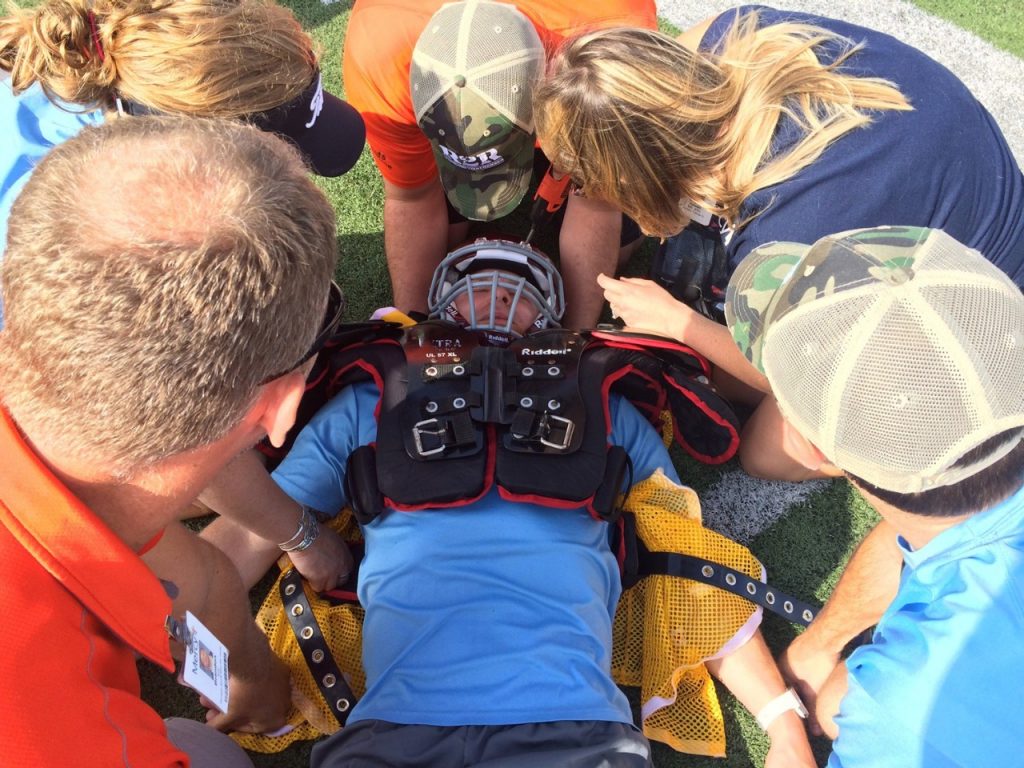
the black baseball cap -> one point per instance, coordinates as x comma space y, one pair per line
328, 131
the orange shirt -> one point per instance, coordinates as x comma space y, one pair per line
77, 605
378, 54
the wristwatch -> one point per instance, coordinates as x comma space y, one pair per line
780, 704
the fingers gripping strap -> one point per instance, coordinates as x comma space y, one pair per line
328, 676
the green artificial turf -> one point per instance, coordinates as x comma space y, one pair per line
804, 551
1000, 22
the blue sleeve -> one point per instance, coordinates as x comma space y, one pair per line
313, 472
720, 26
641, 441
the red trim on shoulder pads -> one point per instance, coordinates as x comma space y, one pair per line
378, 380
652, 412
734, 442
544, 501
488, 482
639, 342
606, 388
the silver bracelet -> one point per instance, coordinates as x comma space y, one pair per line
305, 535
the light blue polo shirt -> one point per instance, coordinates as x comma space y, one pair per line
493, 613
31, 125
941, 682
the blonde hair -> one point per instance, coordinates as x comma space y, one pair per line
214, 58
640, 120
157, 271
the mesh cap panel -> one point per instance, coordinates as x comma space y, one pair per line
471, 82
894, 350
492, 47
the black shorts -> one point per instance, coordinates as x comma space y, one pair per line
572, 743
630, 229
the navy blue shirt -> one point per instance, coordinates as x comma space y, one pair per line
944, 165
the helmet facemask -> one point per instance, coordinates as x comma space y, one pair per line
508, 274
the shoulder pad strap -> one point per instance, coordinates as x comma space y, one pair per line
665, 349
661, 373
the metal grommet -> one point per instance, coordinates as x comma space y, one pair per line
289, 590
342, 705
751, 589
318, 656
307, 632
554, 370
296, 610
527, 371
707, 571
458, 370
808, 616
329, 680
431, 371
769, 597
526, 402
730, 579
459, 402
787, 606
430, 407
554, 405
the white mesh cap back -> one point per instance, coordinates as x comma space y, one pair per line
898, 372
493, 46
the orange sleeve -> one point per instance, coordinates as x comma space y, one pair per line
557, 20
378, 53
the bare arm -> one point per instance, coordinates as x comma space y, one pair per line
589, 245
416, 238
256, 515
750, 674
864, 591
646, 306
207, 584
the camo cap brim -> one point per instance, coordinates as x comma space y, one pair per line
776, 277
485, 174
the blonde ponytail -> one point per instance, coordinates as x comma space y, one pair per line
56, 46
214, 58
643, 122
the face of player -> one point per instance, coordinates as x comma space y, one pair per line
523, 316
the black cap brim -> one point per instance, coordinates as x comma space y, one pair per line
328, 131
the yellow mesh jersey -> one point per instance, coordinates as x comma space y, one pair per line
342, 627
665, 627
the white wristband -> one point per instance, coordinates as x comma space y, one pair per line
779, 705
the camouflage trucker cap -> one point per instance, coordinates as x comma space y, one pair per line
471, 81
894, 350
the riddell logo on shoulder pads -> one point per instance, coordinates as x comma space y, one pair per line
489, 158
545, 352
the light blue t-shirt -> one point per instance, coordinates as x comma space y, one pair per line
493, 613
31, 125
940, 684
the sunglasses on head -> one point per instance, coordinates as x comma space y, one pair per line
332, 319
